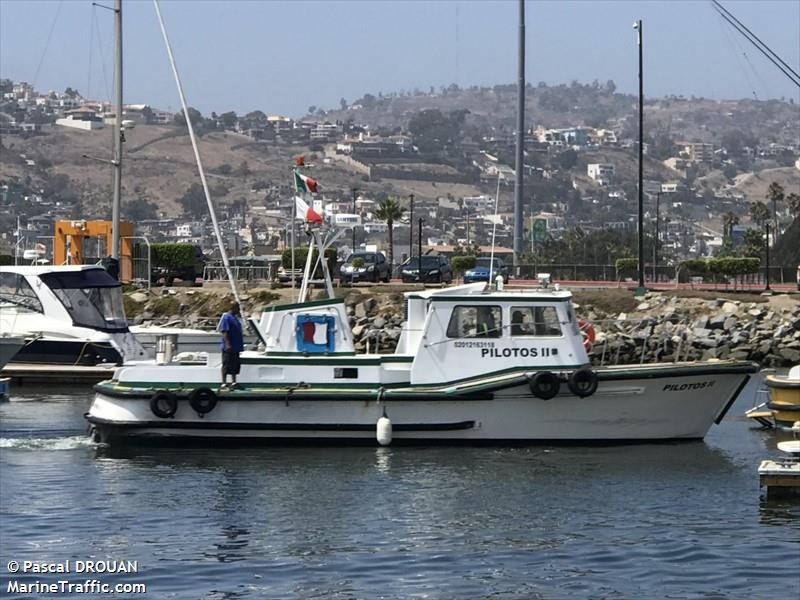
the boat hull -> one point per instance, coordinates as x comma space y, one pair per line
634, 404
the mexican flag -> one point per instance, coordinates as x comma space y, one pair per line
305, 212
304, 184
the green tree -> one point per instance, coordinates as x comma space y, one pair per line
193, 201
729, 219
228, 120
793, 201
389, 210
194, 114
775, 194
759, 213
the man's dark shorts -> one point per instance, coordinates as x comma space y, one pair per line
230, 362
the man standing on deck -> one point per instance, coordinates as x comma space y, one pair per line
232, 344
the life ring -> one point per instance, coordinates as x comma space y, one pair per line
545, 385
588, 333
203, 400
163, 404
583, 382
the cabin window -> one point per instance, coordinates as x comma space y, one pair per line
15, 291
91, 296
535, 320
316, 334
475, 321
345, 373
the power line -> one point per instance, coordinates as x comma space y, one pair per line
761, 46
47, 44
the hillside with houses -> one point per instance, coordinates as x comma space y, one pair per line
712, 169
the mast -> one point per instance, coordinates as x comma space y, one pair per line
211, 210
117, 157
518, 187
641, 290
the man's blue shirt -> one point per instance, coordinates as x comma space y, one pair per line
231, 324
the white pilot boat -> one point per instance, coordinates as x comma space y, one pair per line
471, 366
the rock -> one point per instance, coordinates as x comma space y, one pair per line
138, 297
717, 322
730, 308
379, 322
643, 306
622, 317
369, 304
730, 323
358, 330
790, 354
361, 310
701, 322
755, 312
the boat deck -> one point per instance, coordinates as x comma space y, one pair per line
27, 373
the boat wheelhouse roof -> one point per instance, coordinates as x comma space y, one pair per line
39, 270
477, 292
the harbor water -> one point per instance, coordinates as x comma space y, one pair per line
669, 520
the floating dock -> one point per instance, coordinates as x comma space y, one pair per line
781, 476
25, 373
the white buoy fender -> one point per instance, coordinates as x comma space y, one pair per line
383, 431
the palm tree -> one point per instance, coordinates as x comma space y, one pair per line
793, 200
759, 213
729, 219
389, 210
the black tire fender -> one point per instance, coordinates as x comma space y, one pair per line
545, 385
583, 382
203, 400
163, 404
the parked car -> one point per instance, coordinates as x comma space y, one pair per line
434, 269
375, 268
480, 272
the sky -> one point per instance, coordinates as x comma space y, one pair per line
282, 57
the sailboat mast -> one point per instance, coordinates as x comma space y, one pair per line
117, 160
518, 188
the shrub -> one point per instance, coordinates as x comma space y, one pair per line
626, 267
172, 256
300, 255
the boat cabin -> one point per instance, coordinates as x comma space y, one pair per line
449, 334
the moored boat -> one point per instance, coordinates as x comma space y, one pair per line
784, 401
471, 366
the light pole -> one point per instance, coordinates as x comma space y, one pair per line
355, 194
766, 244
638, 27
655, 240
419, 246
411, 228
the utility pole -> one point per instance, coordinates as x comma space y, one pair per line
117, 159
766, 244
518, 186
641, 290
419, 245
655, 240
411, 228
355, 194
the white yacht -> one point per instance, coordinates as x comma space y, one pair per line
471, 366
74, 315
9, 346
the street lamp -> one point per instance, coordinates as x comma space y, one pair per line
411, 227
655, 240
766, 243
638, 27
419, 246
355, 193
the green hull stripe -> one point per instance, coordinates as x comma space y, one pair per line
310, 304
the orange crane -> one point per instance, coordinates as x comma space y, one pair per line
69, 236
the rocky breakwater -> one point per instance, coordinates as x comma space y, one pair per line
376, 321
664, 328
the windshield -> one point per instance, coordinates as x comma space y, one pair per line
92, 298
367, 258
485, 262
15, 291
428, 262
